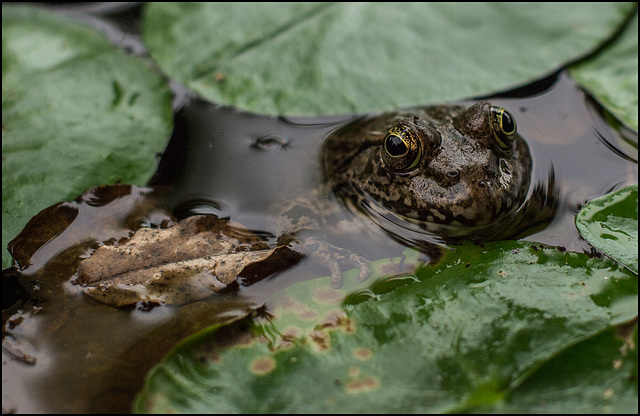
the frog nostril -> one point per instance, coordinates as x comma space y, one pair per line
486, 167
453, 174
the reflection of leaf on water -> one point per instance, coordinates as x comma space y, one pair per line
460, 335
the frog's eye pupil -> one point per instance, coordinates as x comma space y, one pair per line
508, 125
395, 146
402, 149
503, 126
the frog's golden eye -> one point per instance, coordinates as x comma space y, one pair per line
401, 149
503, 126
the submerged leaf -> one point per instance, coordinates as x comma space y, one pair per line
456, 336
610, 224
76, 112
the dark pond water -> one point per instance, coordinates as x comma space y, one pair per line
64, 352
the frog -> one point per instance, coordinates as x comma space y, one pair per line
457, 172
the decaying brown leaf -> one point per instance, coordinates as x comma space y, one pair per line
189, 261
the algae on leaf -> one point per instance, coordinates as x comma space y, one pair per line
76, 112
461, 335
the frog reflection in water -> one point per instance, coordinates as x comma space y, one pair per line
455, 172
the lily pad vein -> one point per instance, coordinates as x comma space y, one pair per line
251, 45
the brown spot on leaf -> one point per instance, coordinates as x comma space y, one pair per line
262, 365
362, 353
617, 364
362, 385
625, 332
288, 304
327, 296
336, 318
307, 314
320, 339
291, 331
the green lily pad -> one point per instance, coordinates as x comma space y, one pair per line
76, 112
609, 384
610, 224
612, 75
461, 335
333, 58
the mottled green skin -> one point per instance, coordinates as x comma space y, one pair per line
465, 185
